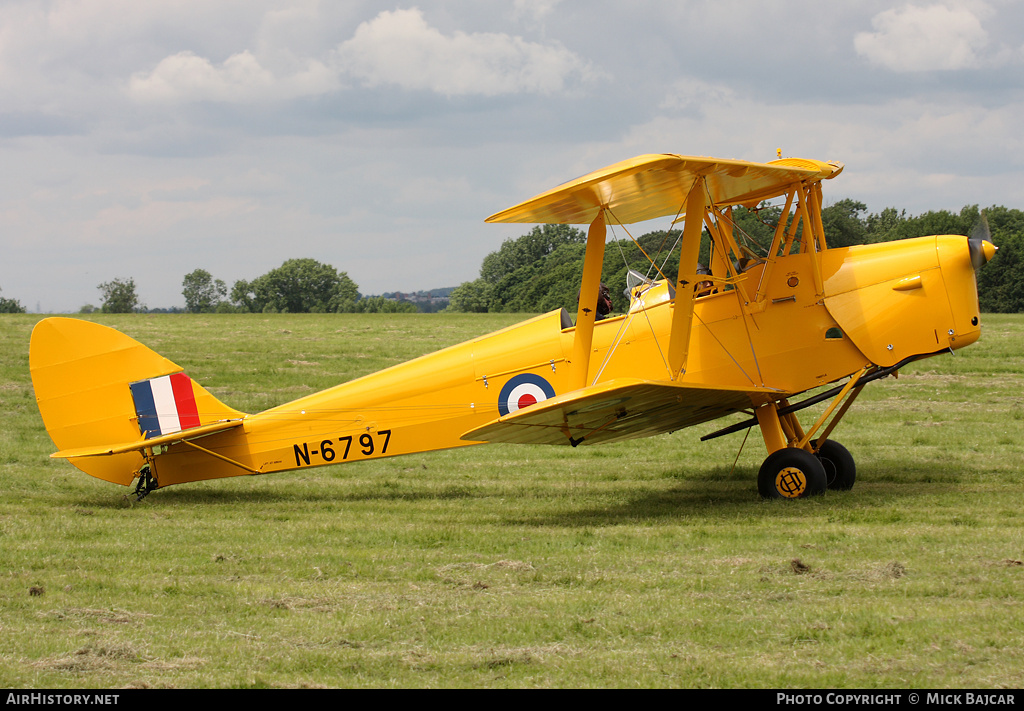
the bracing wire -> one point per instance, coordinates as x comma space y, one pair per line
739, 452
737, 230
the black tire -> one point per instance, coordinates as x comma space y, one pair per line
840, 469
791, 474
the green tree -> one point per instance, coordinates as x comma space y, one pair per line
884, 226
242, 296
202, 292
938, 222
541, 270
549, 281
471, 297
532, 247
297, 286
757, 224
843, 224
119, 296
11, 306
1001, 281
379, 305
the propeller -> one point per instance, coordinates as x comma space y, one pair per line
980, 243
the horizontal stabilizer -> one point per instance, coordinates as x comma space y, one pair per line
619, 409
140, 444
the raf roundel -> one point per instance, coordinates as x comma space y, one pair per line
522, 391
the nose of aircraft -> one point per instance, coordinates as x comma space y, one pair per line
981, 251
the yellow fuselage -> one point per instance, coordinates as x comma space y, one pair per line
788, 325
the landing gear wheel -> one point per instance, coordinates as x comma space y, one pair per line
840, 470
790, 474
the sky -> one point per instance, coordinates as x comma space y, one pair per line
145, 140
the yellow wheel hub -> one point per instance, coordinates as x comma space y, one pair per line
791, 482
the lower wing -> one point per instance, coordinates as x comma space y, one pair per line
619, 409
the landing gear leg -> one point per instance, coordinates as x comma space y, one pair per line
790, 471
147, 483
798, 465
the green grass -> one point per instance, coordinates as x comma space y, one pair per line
650, 563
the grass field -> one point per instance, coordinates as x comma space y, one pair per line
650, 563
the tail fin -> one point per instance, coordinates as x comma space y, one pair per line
104, 397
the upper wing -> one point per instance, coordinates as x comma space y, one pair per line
651, 186
619, 409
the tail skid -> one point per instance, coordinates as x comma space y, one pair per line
106, 399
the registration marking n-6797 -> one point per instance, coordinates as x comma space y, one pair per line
341, 449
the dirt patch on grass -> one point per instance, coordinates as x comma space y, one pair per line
471, 573
795, 566
514, 565
498, 659
799, 567
95, 657
893, 570
116, 617
317, 604
181, 664
732, 562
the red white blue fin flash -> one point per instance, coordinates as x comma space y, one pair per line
165, 405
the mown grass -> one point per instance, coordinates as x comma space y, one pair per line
649, 563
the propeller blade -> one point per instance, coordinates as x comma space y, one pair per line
980, 243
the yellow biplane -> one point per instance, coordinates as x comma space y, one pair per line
759, 330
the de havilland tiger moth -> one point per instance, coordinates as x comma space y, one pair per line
762, 328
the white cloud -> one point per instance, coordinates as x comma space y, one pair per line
535, 10
241, 77
916, 39
400, 49
396, 48
897, 152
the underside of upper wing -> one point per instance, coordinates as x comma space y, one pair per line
651, 186
617, 410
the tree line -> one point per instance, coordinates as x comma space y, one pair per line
541, 270
297, 286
